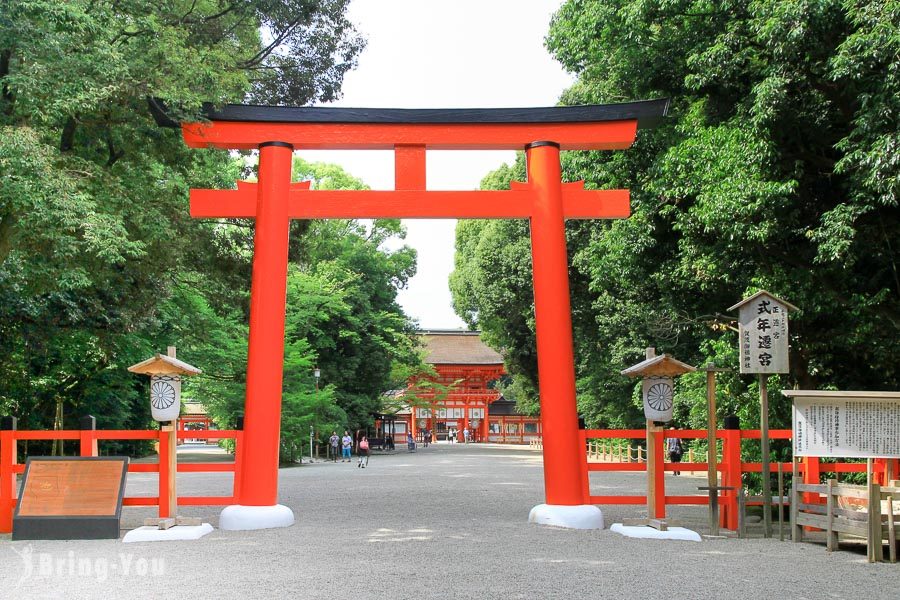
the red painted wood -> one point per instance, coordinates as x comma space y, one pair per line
63, 434
615, 467
143, 468
165, 511
553, 327
690, 500
206, 500
410, 204
265, 354
658, 442
205, 467
409, 168
7, 479
235, 135
125, 434
618, 499
730, 467
140, 501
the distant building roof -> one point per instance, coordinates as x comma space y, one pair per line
504, 408
453, 347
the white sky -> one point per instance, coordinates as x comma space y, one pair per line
445, 54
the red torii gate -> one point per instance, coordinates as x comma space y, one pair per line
277, 131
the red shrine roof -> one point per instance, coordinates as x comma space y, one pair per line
451, 347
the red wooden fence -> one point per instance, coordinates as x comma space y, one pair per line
88, 438
731, 468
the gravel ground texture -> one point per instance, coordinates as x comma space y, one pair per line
448, 522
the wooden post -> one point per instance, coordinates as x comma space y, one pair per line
780, 502
892, 531
831, 535
731, 475
764, 441
8, 458
874, 550
168, 467
656, 482
796, 529
712, 475
88, 436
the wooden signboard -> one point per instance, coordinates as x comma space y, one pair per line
838, 424
70, 498
763, 326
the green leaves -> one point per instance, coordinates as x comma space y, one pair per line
776, 169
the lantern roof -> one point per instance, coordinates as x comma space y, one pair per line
787, 304
161, 364
658, 366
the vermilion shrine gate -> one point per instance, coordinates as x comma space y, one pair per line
544, 199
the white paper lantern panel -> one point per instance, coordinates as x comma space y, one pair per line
658, 398
165, 397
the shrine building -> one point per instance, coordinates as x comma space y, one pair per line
470, 369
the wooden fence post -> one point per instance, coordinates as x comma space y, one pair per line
165, 505
811, 474
88, 439
796, 529
731, 476
874, 550
831, 535
7, 477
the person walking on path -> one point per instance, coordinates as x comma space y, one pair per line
426, 438
334, 441
466, 435
673, 445
363, 452
346, 446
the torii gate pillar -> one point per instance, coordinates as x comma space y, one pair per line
259, 508
563, 473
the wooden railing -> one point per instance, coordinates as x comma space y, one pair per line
875, 524
87, 441
622, 456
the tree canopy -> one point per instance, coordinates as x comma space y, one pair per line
776, 169
100, 263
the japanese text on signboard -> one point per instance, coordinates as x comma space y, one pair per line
764, 336
846, 427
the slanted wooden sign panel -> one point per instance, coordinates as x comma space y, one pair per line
70, 498
763, 326
846, 424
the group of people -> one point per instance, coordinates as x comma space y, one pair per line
345, 444
453, 435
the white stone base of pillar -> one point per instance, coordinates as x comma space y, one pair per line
580, 516
241, 518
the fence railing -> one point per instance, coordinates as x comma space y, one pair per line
730, 466
87, 446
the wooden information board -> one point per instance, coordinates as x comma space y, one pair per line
70, 498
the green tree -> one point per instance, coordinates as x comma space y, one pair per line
774, 170
100, 263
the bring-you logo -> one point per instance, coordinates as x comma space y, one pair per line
70, 564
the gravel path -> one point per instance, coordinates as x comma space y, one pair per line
445, 522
